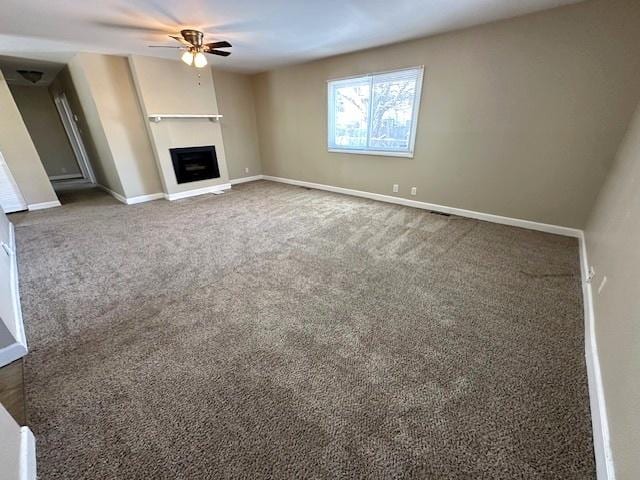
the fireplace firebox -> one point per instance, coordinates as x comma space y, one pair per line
192, 164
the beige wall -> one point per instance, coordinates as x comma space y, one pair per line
519, 118
613, 236
20, 153
45, 127
170, 86
234, 93
124, 145
90, 123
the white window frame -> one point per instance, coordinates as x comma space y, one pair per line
365, 150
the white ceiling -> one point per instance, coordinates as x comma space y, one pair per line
265, 33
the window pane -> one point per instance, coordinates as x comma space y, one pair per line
350, 113
375, 113
392, 111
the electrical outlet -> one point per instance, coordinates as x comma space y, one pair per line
414, 190
396, 187
246, 169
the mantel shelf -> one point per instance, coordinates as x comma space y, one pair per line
156, 117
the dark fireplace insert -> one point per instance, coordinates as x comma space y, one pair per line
192, 164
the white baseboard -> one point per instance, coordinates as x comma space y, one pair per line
15, 207
599, 421
236, 181
144, 198
12, 352
116, 195
168, 196
43, 205
28, 470
198, 191
487, 217
131, 200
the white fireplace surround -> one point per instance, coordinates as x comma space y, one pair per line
190, 119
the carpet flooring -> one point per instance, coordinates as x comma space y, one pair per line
280, 332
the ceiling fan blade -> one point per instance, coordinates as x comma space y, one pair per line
164, 46
213, 45
218, 52
180, 39
128, 26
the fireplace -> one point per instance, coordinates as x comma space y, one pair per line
192, 164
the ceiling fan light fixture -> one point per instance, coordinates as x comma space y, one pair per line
187, 57
199, 60
194, 48
31, 75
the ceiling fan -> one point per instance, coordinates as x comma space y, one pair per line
194, 47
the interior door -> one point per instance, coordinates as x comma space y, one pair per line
11, 199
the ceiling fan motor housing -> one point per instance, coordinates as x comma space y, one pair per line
194, 37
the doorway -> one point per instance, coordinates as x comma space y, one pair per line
71, 128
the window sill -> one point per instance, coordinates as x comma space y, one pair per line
376, 153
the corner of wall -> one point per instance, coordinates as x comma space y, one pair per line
106, 172
599, 419
20, 152
611, 238
237, 102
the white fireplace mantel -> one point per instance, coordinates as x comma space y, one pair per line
157, 117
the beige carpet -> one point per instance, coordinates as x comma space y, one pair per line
279, 332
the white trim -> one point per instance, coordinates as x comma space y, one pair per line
156, 117
197, 191
131, 200
115, 195
66, 176
487, 217
75, 138
378, 153
27, 454
236, 181
22, 338
13, 209
12, 352
43, 205
332, 147
18, 349
599, 421
379, 72
144, 198
9, 204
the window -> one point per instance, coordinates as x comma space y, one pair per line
375, 114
